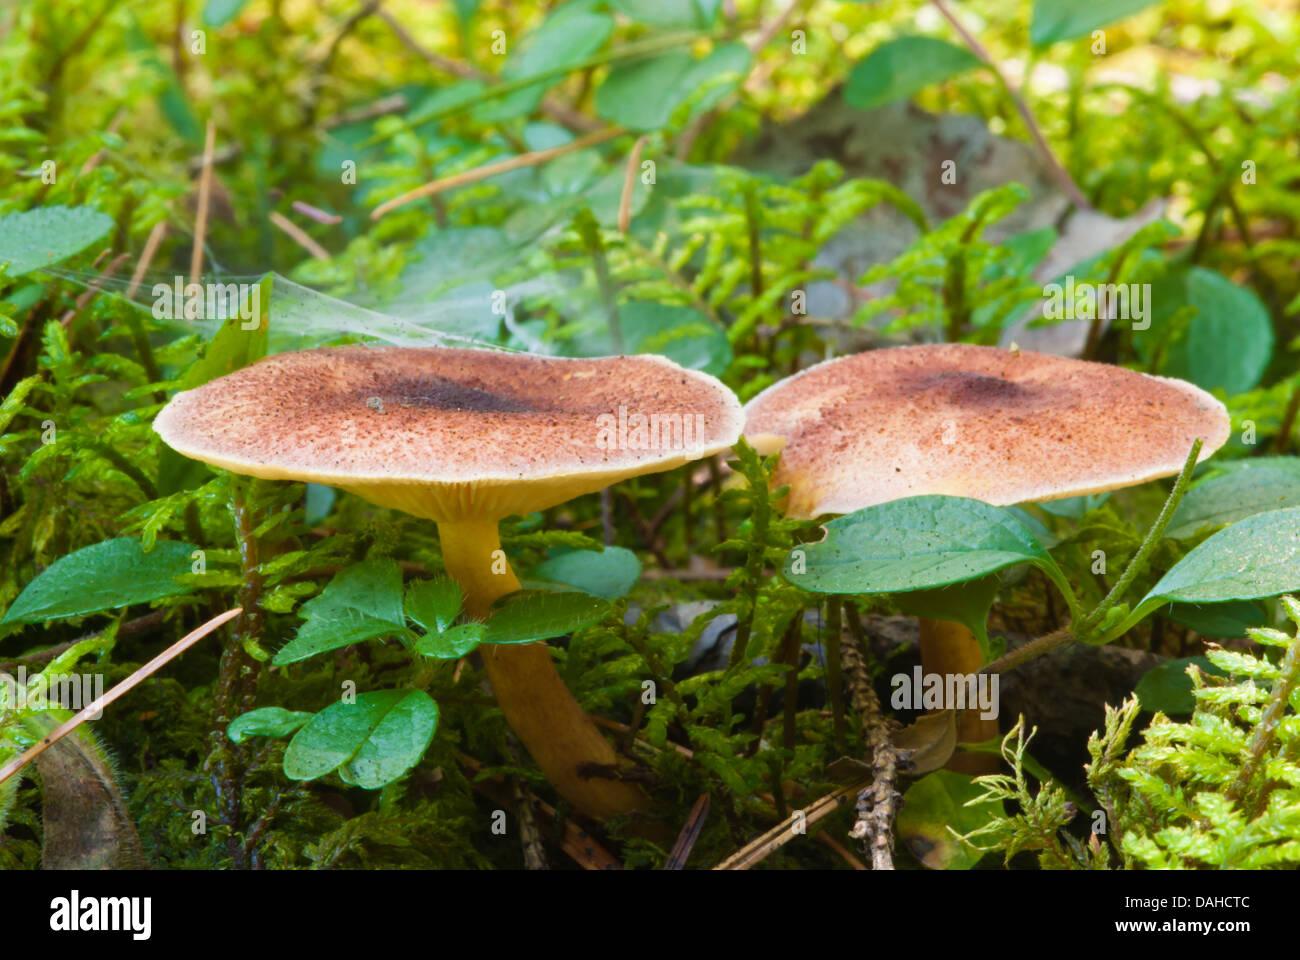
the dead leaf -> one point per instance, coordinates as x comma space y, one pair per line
929, 742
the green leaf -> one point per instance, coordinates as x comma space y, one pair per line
1220, 620
371, 742
1238, 490
681, 334
266, 722
899, 68
610, 573
434, 604
936, 802
680, 14
529, 615
1227, 343
918, 543
1255, 558
105, 576
964, 603
1056, 20
566, 38
48, 235
644, 94
361, 603
218, 13
453, 643
1074, 508
1167, 687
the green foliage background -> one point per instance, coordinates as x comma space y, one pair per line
1192, 103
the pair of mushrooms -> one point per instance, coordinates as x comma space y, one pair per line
467, 437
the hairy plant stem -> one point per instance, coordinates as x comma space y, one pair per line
1149, 544
237, 673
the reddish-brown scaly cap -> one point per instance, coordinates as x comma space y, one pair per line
453, 434
1000, 426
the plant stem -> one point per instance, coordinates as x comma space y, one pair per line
1265, 732
1153, 538
538, 706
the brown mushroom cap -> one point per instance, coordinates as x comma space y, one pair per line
995, 425
453, 434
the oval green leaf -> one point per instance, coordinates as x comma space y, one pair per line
48, 235
266, 722
1056, 20
451, 644
610, 573
899, 68
370, 742
362, 602
1241, 489
1255, 558
104, 576
919, 543
434, 604
530, 615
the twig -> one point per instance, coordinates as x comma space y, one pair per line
298, 235
533, 159
530, 838
316, 213
763, 846
629, 185
690, 832
151, 246
579, 845
1059, 173
201, 214
96, 707
877, 801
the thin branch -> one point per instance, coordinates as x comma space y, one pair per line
629, 185
533, 159
1059, 173
877, 802
298, 235
96, 707
201, 215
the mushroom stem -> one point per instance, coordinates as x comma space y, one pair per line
538, 706
950, 648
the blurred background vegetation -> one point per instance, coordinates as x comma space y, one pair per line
744, 185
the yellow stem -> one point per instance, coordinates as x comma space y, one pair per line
950, 648
538, 706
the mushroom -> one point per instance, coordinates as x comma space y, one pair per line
1000, 426
464, 438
